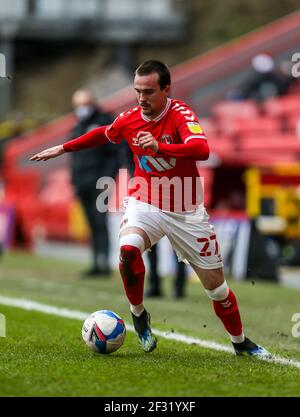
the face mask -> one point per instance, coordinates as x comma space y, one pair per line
83, 112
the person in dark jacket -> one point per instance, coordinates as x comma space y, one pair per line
263, 82
87, 167
180, 279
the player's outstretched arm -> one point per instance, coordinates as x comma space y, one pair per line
92, 139
48, 153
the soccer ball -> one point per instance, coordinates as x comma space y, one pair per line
104, 331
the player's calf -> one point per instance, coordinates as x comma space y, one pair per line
226, 308
132, 268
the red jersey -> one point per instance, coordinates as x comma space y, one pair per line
168, 182
167, 178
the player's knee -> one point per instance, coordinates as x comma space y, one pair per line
131, 247
219, 293
128, 254
132, 240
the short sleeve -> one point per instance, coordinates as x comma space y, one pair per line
188, 126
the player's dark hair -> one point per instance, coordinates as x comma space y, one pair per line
150, 67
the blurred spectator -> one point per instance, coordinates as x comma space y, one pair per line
87, 167
179, 283
264, 82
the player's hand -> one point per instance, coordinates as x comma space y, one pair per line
48, 153
147, 141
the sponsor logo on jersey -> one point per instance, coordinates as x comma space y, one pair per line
159, 164
194, 127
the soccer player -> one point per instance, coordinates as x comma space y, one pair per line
165, 199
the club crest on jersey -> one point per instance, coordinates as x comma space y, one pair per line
135, 142
166, 139
194, 127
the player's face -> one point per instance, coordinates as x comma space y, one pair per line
149, 94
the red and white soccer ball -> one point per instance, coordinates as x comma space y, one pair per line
104, 331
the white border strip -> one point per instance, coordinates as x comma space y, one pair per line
80, 315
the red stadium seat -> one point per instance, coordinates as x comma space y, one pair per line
283, 106
293, 123
209, 126
258, 158
255, 126
57, 181
236, 109
221, 145
279, 144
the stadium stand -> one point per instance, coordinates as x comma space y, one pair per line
240, 133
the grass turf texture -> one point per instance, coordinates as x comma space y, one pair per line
44, 355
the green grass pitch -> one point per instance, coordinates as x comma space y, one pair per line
44, 355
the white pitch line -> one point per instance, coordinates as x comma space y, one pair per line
81, 315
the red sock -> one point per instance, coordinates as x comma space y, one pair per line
228, 312
132, 270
